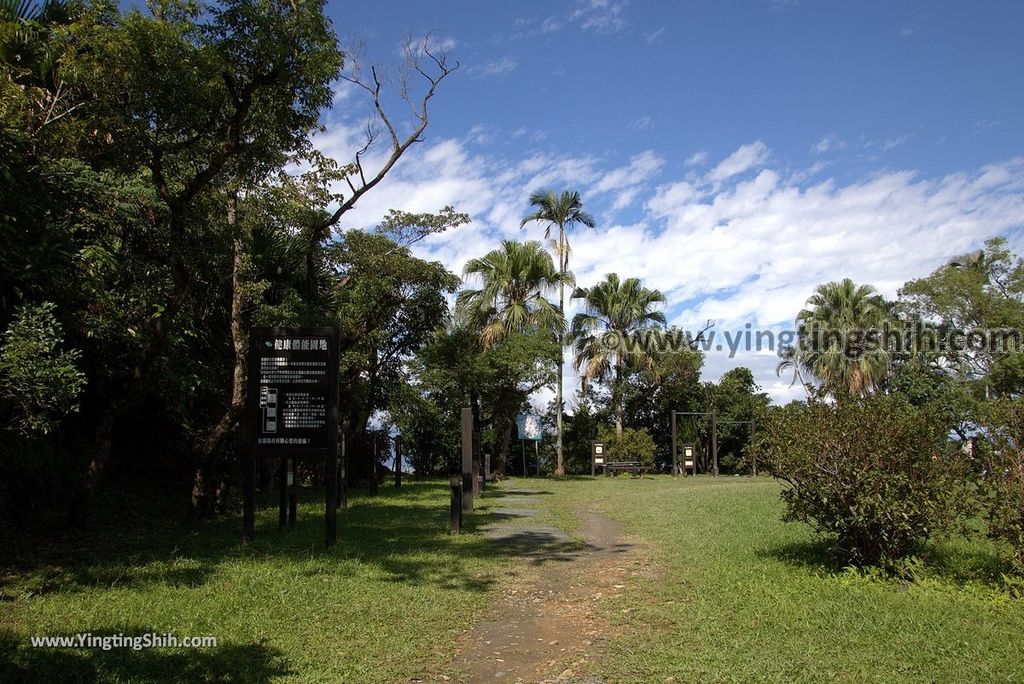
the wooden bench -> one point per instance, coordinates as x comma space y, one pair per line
634, 467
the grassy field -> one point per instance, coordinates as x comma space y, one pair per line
743, 597
737, 595
385, 604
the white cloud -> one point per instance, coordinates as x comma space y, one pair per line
432, 42
730, 246
482, 134
697, 159
893, 143
641, 123
501, 67
639, 170
654, 35
829, 143
745, 158
550, 25
600, 16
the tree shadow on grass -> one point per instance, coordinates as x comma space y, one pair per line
518, 491
960, 562
815, 554
403, 531
956, 562
20, 662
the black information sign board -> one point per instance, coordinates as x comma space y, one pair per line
292, 405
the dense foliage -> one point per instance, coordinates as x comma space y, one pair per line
152, 213
630, 445
1004, 477
877, 476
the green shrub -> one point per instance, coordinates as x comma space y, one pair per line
876, 476
634, 445
38, 382
1004, 477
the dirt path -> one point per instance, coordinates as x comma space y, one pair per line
545, 627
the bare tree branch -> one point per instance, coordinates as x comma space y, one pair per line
415, 53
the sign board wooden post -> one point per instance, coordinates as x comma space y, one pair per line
375, 460
455, 521
467, 459
398, 462
597, 456
342, 477
477, 483
282, 494
675, 448
292, 413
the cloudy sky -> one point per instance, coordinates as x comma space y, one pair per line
735, 154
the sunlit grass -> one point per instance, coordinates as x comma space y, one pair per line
732, 594
739, 596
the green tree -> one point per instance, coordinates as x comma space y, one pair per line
835, 344
628, 445
671, 383
454, 370
615, 313
387, 305
561, 211
511, 299
737, 401
981, 291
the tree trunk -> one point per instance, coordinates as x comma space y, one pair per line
78, 515
618, 396
502, 463
209, 484
560, 463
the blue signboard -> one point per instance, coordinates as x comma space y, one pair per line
530, 426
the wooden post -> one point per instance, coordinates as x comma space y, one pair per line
293, 503
675, 451
375, 458
282, 494
753, 452
455, 515
467, 459
476, 464
343, 477
714, 442
249, 495
398, 462
331, 495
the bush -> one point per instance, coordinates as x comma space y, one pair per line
634, 445
38, 382
1004, 477
876, 476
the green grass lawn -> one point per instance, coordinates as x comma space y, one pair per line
741, 596
736, 595
385, 604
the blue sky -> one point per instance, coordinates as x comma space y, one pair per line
735, 154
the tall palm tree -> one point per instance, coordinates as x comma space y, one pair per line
836, 314
604, 333
511, 299
563, 211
